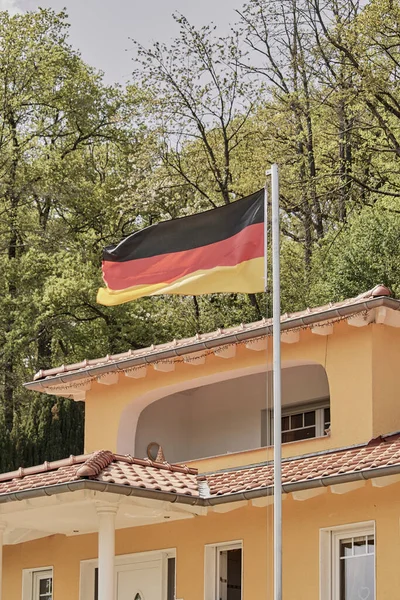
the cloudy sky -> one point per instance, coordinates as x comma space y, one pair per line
101, 28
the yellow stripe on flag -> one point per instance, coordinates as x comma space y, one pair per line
246, 277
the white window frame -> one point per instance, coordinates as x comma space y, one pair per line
29, 578
329, 555
212, 566
318, 405
87, 569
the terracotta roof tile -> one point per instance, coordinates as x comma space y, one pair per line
309, 468
177, 347
144, 474
107, 467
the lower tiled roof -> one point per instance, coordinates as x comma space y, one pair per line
376, 458
380, 453
104, 466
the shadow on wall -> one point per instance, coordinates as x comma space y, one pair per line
233, 415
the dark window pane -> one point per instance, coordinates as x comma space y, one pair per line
287, 436
298, 434
309, 418
285, 423
45, 586
327, 417
171, 579
304, 434
296, 421
234, 579
96, 584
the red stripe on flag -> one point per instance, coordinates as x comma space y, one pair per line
166, 268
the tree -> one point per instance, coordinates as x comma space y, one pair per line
199, 104
63, 136
361, 255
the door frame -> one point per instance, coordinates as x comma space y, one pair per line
212, 566
87, 569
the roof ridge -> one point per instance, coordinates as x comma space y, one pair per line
147, 462
96, 462
44, 467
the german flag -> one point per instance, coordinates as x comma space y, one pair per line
220, 250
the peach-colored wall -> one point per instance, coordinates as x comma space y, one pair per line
301, 552
346, 355
386, 381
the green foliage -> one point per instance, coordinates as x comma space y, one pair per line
312, 86
365, 252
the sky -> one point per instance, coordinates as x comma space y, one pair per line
101, 29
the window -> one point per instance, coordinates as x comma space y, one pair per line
298, 423
223, 572
37, 584
42, 585
349, 570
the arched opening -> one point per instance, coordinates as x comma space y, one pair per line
232, 415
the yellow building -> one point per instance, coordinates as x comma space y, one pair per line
193, 519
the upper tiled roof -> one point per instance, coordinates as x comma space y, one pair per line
380, 457
379, 295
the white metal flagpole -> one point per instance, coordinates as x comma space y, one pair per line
276, 329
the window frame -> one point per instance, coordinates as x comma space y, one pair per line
330, 539
29, 579
318, 405
212, 567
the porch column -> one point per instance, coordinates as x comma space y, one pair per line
106, 550
2, 529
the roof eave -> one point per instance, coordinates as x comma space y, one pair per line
321, 482
103, 487
43, 385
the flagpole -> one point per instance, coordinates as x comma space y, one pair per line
276, 326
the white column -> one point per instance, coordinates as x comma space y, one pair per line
106, 550
2, 529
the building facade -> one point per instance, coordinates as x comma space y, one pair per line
179, 505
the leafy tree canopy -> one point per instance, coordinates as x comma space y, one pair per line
313, 86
